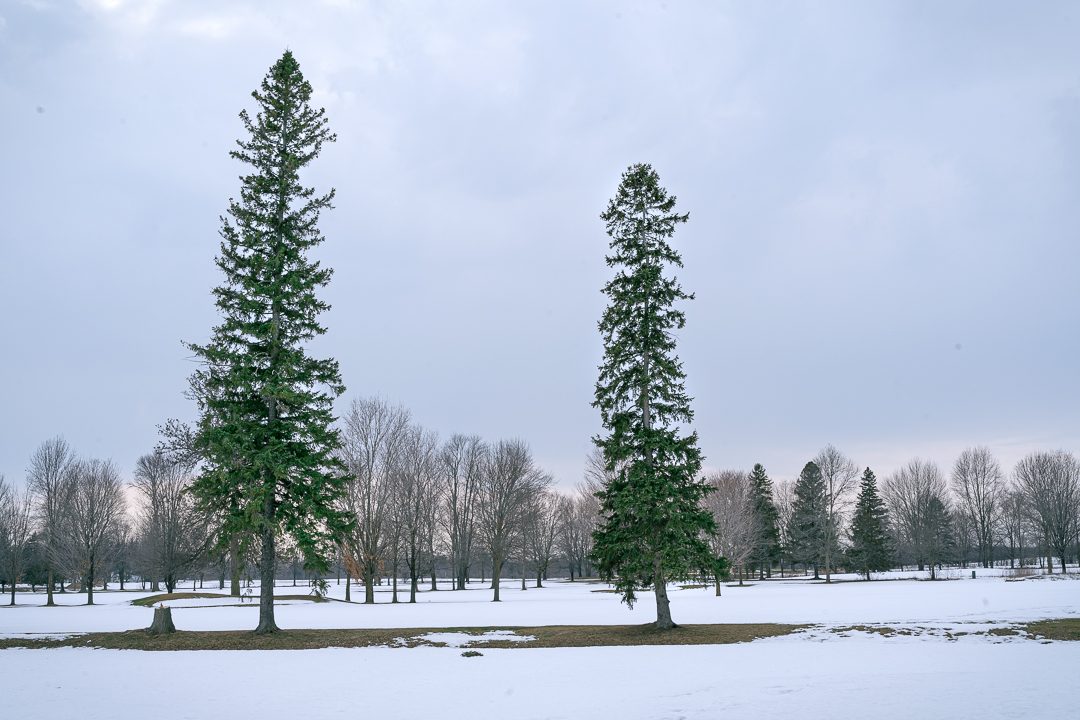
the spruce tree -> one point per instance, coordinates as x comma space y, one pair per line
766, 521
871, 547
266, 425
808, 518
652, 521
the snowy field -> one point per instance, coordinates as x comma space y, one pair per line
819, 673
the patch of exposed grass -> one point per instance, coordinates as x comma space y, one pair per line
1060, 629
547, 636
152, 600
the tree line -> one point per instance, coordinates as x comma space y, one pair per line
458, 509
835, 517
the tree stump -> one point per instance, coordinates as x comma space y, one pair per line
163, 624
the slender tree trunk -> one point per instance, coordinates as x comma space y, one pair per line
496, 572
267, 570
348, 584
90, 583
49, 602
663, 605
234, 568
369, 588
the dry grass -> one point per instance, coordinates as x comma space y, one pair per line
152, 600
547, 636
1061, 629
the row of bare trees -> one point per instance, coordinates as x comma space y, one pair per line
478, 505
980, 513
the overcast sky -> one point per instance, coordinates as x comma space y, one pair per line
884, 227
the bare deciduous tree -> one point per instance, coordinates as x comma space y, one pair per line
730, 506
415, 494
172, 533
49, 481
16, 529
95, 506
910, 493
1050, 482
542, 529
371, 436
841, 477
978, 484
462, 460
784, 498
508, 481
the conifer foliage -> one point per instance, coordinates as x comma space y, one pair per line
653, 522
266, 426
766, 521
871, 547
808, 519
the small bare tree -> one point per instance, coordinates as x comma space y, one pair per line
1050, 482
730, 506
16, 529
372, 434
542, 529
95, 506
508, 481
910, 494
784, 498
49, 481
978, 483
841, 477
461, 461
173, 534
414, 494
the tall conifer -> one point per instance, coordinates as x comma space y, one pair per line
808, 518
766, 521
653, 521
266, 426
871, 546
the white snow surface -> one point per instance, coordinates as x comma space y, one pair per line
820, 673
898, 602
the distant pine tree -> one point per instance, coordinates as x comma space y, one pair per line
809, 516
766, 521
266, 427
871, 547
940, 542
652, 521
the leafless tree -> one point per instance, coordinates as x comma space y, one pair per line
173, 534
462, 461
50, 484
16, 529
1016, 521
372, 434
415, 491
730, 505
978, 483
909, 494
95, 506
509, 479
841, 477
1050, 482
784, 498
542, 529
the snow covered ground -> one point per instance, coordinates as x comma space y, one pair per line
817, 674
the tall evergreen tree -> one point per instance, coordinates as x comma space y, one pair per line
266, 425
653, 522
871, 547
809, 516
940, 541
766, 521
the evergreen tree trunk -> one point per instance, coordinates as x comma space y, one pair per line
663, 605
234, 568
267, 570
